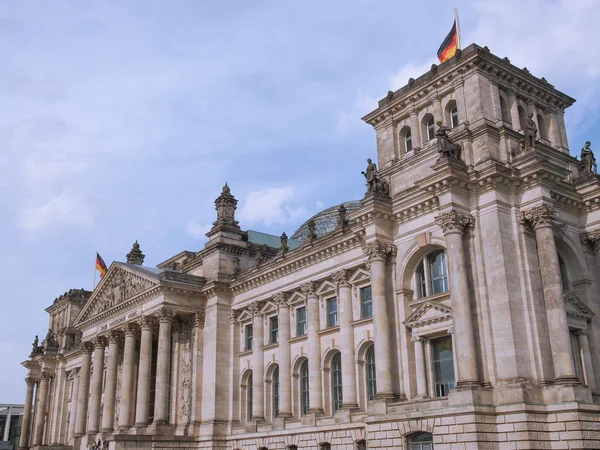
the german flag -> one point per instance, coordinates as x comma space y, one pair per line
100, 265
448, 48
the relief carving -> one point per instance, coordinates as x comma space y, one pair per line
185, 386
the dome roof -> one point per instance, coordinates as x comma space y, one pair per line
325, 221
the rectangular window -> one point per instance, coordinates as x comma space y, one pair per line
248, 337
332, 312
273, 328
576, 352
301, 321
366, 301
443, 366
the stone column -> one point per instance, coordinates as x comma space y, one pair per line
163, 367
57, 402
437, 110
586, 357
514, 111
378, 253
73, 406
146, 323
541, 218
453, 225
7, 424
110, 388
84, 389
415, 129
420, 367
258, 362
96, 391
40, 420
26, 423
350, 400
285, 358
126, 401
314, 349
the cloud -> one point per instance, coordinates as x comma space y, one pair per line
350, 120
68, 209
197, 231
410, 70
273, 206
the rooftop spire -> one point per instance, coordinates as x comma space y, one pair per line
226, 204
135, 256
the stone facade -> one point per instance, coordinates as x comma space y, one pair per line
460, 311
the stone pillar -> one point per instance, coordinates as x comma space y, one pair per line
146, 323
420, 367
514, 111
7, 424
126, 401
96, 391
541, 218
197, 362
110, 388
73, 407
453, 225
378, 253
437, 111
84, 389
26, 423
554, 131
40, 420
163, 367
314, 349
258, 362
350, 399
285, 358
57, 403
415, 129
586, 357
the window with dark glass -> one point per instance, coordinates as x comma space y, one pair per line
304, 396
438, 272
454, 117
292, 447
366, 302
361, 445
336, 381
408, 140
421, 281
443, 366
249, 398
301, 321
563, 273
371, 376
420, 441
273, 328
248, 337
332, 312
276, 392
325, 446
430, 129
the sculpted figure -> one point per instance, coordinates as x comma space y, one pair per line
445, 145
588, 161
530, 131
374, 183
36, 343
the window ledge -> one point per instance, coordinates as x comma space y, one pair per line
362, 321
245, 353
329, 330
298, 338
436, 297
272, 345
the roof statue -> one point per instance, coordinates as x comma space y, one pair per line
530, 131
343, 221
446, 147
375, 184
135, 256
283, 249
587, 166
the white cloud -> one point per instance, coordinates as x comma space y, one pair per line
273, 206
350, 120
68, 209
410, 70
197, 231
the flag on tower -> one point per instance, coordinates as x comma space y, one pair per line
448, 48
100, 265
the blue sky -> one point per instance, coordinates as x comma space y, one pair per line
121, 120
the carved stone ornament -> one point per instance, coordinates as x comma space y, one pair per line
146, 322
450, 330
377, 250
454, 222
417, 338
587, 168
280, 299
45, 377
582, 332
135, 256
283, 248
342, 222
30, 381
233, 315
254, 308
591, 239
340, 278
199, 319
309, 289
226, 204
446, 147
539, 217
165, 315
87, 347
375, 184
130, 329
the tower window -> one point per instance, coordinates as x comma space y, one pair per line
430, 129
408, 140
336, 381
454, 117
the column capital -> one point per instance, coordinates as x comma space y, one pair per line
165, 315
199, 319
45, 377
454, 222
340, 278
114, 336
450, 330
542, 216
30, 381
129, 329
582, 332
87, 347
309, 289
280, 299
377, 250
99, 342
146, 322
591, 239
415, 338
255, 308
233, 315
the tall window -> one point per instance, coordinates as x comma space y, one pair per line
408, 140
273, 328
276, 392
563, 273
420, 441
332, 312
325, 446
366, 302
443, 366
336, 381
504, 111
304, 404
430, 129
371, 377
361, 445
249, 397
301, 321
248, 337
454, 117
432, 275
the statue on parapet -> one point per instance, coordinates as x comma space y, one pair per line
374, 183
587, 166
530, 131
446, 147
35, 345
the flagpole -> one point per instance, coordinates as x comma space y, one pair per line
95, 260
457, 26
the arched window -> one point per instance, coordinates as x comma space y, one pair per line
563, 273
336, 381
371, 376
292, 447
361, 445
408, 140
430, 129
325, 446
432, 275
276, 392
249, 398
504, 111
304, 397
454, 117
420, 441
522, 117
542, 129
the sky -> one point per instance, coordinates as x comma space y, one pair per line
122, 119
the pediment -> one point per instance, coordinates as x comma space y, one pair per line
575, 307
269, 307
361, 275
296, 297
244, 316
428, 313
118, 285
327, 288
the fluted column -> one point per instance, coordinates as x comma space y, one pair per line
415, 130
96, 390
350, 399
163, 367
541, 218
26, 423
258, 362
453, 225
285, 359
110, 388
378, 253
314, 349
586, 357
126, 401
40, 420
84, 389
146, 323
73, 407
420, 367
